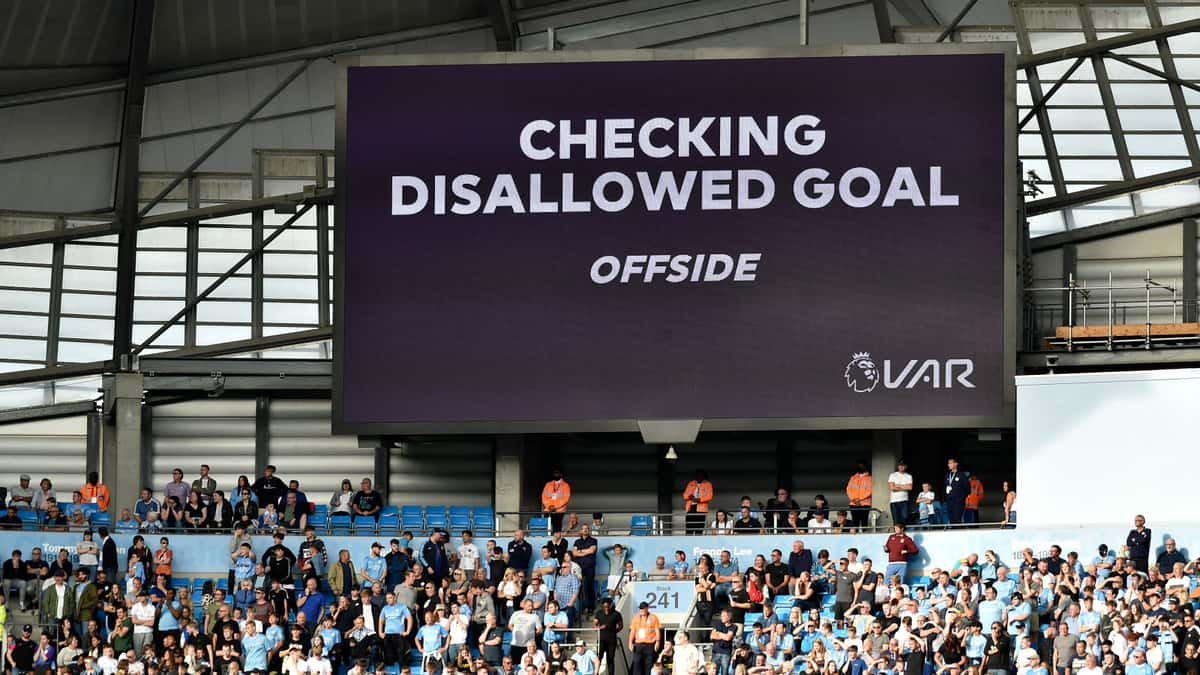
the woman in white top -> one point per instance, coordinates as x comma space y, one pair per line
294, 662
340, 501
458, 629
88, 554
1010, 504
721, 523
42, 497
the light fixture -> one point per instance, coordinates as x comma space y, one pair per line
671, 455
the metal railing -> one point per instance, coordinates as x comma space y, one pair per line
1042, 321
676, 522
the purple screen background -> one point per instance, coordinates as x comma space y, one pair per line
494, 317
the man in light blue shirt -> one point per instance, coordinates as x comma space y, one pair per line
1018, 616
1104, 561
991, 609
585, 659
395, 621
431, 641
555, 622
1089, 618
976, 644
1003, 585
330, 635
254, 649
374, 567
1137, 664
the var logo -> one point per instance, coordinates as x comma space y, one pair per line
863, 375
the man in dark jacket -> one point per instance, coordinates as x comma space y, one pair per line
269, 488
1138, 542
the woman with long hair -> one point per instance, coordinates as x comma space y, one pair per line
1009, 488
195, 513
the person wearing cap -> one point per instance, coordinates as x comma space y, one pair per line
644, 639
23, 651
57, 602
20, 495
585, 659
900, 484
374, 567
437, 563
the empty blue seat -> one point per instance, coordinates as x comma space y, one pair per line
389, 510
222, 583
364, 524
411, 518
320, 513
389, 524
435, 516
539, 526
181, 583
783, 603
30, 519
641, 526
459, 512
339, 523
101, 518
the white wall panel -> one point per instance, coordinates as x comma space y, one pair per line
54, 449
218, 432
1119, 436
447, 473
302, 448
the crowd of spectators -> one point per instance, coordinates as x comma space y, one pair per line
519, 607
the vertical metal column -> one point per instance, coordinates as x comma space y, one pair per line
262, 434
1177, 96
1035, 88
126, 198
1189, 270
94, 433
666, 489
383, 468
54, 324
147, 448
192, 264
322, 247
1070, 263
1110, 106
122, 460
256, 238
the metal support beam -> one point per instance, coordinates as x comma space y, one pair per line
270, 59
1114, 189
916, 12
324, 271
1114, 228
1088, 49
145, 466
1176, 84
785, 451
1070, 270
216, 145
1189, 270
251, 254
1115, 127
126, 196
1153, 71
1041, 102
950, 28
504, 24
54, 324
1035, 88
883, 22
665, 485
42, 412
262, 434
383, 468
95, 423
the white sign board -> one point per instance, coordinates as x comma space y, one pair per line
668, 600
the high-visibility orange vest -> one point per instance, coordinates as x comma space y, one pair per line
644, 630
976, 494
859, 489
699, 493
97, 494
555, 496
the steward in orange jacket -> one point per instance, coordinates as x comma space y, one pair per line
555, 497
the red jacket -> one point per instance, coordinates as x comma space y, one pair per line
899, 547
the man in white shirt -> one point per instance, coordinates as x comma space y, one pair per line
468, 554
688, 659
107, 663
819, 522
142, 614
900, 482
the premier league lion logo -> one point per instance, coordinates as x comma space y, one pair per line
861, 373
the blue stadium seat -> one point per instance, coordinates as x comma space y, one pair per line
539, 526
181, 583
197, 598
320, 514
389, 524
435, 516
30, 519
641, 526
411, 518
389, 510
222, 583
90, 509
364, 524
783, 604
483, 521
68, 510
339, 523
101, 518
